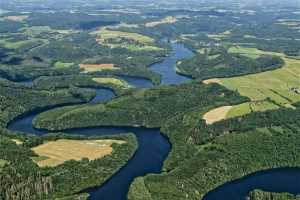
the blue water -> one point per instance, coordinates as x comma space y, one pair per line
153, 146
167, 68
28, 82
152, 151
273, 180
137, 81
102, 95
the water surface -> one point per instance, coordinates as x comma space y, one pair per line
273, 180
167, 68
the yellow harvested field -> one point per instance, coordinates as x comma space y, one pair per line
18, 18
59, 151
216, 114
97, 67
167, 20
18, 142
212, 80
114, 81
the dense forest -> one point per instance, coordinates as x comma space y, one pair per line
147, 108
219, 63
22, 178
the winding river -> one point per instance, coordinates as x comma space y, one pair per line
154, 147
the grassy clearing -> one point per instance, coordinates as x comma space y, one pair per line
249, 36
62, 65
18, 142
213, 56
246, 108
167, 20
105, 34
17, 18
201, 51
134, 47
18, 44
57, 152
216, 114
212, 80
35, 30
3, 163
219, 36
97, 67
252, 52
141, 42
281, 86
114, 81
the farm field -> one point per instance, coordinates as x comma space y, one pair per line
57, 152
252, 52
18, 44
114, 39
216, 114
105, 34
167, 20
97, 67
61, 65
37, 30
220, 36
16, 18
114, 81
267, 90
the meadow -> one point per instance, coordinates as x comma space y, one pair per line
18, 44
97, 67
166, 20
128, 40
105, 34
267, 90
113, 81
61, 65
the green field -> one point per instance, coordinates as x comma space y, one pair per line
279, 85
142, 42
273, 89
3, 163
252, 52
105, 34
219, 36
166, 20
248, 107
18, 44
115, 81
62, 65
